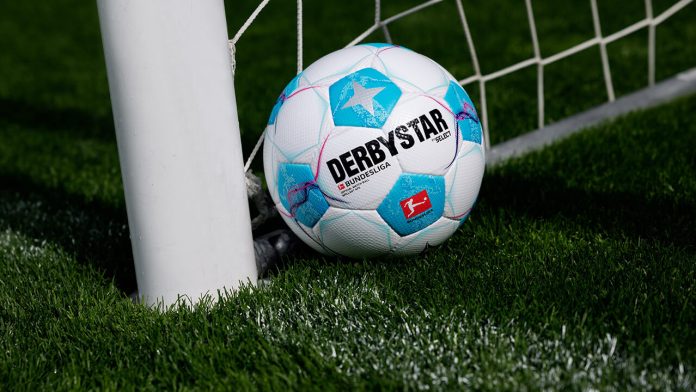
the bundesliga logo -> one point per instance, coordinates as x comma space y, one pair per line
416, 204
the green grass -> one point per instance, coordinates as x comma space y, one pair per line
576, 270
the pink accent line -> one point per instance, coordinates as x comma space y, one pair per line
316, 176
462, 215
295, 190
439, 103
300, 90
308, 184
456, 144
288, 215
456, 126
385, 49
466, 112
321, 152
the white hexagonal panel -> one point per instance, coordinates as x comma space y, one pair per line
412, 71
302, 119
356, 169
425, 134
463, 181
433, 235
355, 233
336, 65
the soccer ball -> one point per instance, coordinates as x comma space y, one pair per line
372, 150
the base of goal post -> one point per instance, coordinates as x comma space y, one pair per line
269, 248
172, 94
662, 92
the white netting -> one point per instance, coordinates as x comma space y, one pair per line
650, 21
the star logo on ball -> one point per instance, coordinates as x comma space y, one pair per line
364, 97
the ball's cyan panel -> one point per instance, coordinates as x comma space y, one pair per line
380, 45
306, 234
289, 89
364, 98
415, 202
299, 194
463, 108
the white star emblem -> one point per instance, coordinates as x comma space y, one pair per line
364, 97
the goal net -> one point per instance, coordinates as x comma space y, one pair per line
538, 61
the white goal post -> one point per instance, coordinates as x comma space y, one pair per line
170, 79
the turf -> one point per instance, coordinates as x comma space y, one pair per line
576, 270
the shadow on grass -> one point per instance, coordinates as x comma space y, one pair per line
40, 116
95, 233
618, 213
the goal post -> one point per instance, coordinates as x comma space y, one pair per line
172, 94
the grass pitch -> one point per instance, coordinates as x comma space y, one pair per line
576, 270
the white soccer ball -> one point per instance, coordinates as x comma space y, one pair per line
373, 149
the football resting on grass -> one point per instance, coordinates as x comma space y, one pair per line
374, 149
